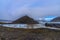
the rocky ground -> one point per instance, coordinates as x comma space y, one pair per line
28, 34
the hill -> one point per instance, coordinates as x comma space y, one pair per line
25, 20
57, 19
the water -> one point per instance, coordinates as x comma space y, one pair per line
22, 25
41, 25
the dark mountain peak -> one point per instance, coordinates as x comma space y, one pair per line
25, 20
57, 19
26, 16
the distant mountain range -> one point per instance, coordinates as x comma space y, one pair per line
5, 21
46, 19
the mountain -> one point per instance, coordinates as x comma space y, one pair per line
57, 25
57, 19
25, 20
5, 21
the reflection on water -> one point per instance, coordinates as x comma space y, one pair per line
14, 25
22, 25
41, 25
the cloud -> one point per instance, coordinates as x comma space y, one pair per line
14, 9
44, 11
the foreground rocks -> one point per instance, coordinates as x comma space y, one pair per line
28, 34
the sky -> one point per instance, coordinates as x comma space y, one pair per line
14, 9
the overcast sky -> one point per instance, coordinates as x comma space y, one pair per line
13, 9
